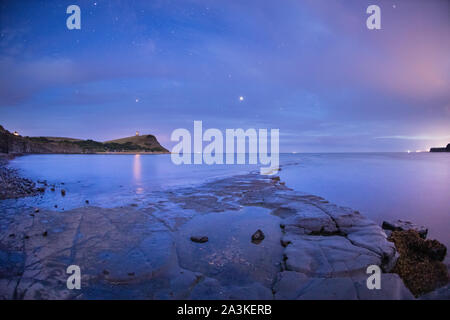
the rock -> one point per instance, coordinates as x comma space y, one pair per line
201, 239
45, 234
310, 220
258, 237
294, 285
87, 201
289, 284
212, 289
63, 192
340, 288
327, 256
230, 257
14, 186
402, 225
442, 293
151, 252
392, 288
362, 232
374, 239
284, 243
434, 249
36, 210
420, 262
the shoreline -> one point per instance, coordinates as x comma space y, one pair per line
12, 184
291, 222
13, 155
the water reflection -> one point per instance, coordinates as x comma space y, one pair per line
382, 186
137, 173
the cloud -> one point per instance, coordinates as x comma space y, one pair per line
416, 137
310, 68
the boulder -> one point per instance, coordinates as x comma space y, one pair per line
403, 225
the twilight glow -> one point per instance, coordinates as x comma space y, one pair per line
309, 68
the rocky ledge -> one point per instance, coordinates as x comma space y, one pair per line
264, 241
14, 186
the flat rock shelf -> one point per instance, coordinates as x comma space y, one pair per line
311, 249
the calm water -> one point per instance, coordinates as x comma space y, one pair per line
412, 186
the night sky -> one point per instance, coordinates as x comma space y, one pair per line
309, 68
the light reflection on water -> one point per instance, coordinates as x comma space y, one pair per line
382, 186
137, 174
111, 180
137, 170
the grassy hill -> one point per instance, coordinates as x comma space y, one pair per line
58, 139
145, 141
10, 143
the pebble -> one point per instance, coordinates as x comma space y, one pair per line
202, 239
258, 236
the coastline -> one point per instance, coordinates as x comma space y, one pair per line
12, 185
288, 264
13, 155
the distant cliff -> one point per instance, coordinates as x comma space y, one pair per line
10, 143
444, 149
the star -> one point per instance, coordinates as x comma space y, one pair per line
241, 98
137, 100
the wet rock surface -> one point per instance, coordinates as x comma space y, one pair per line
311, 250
